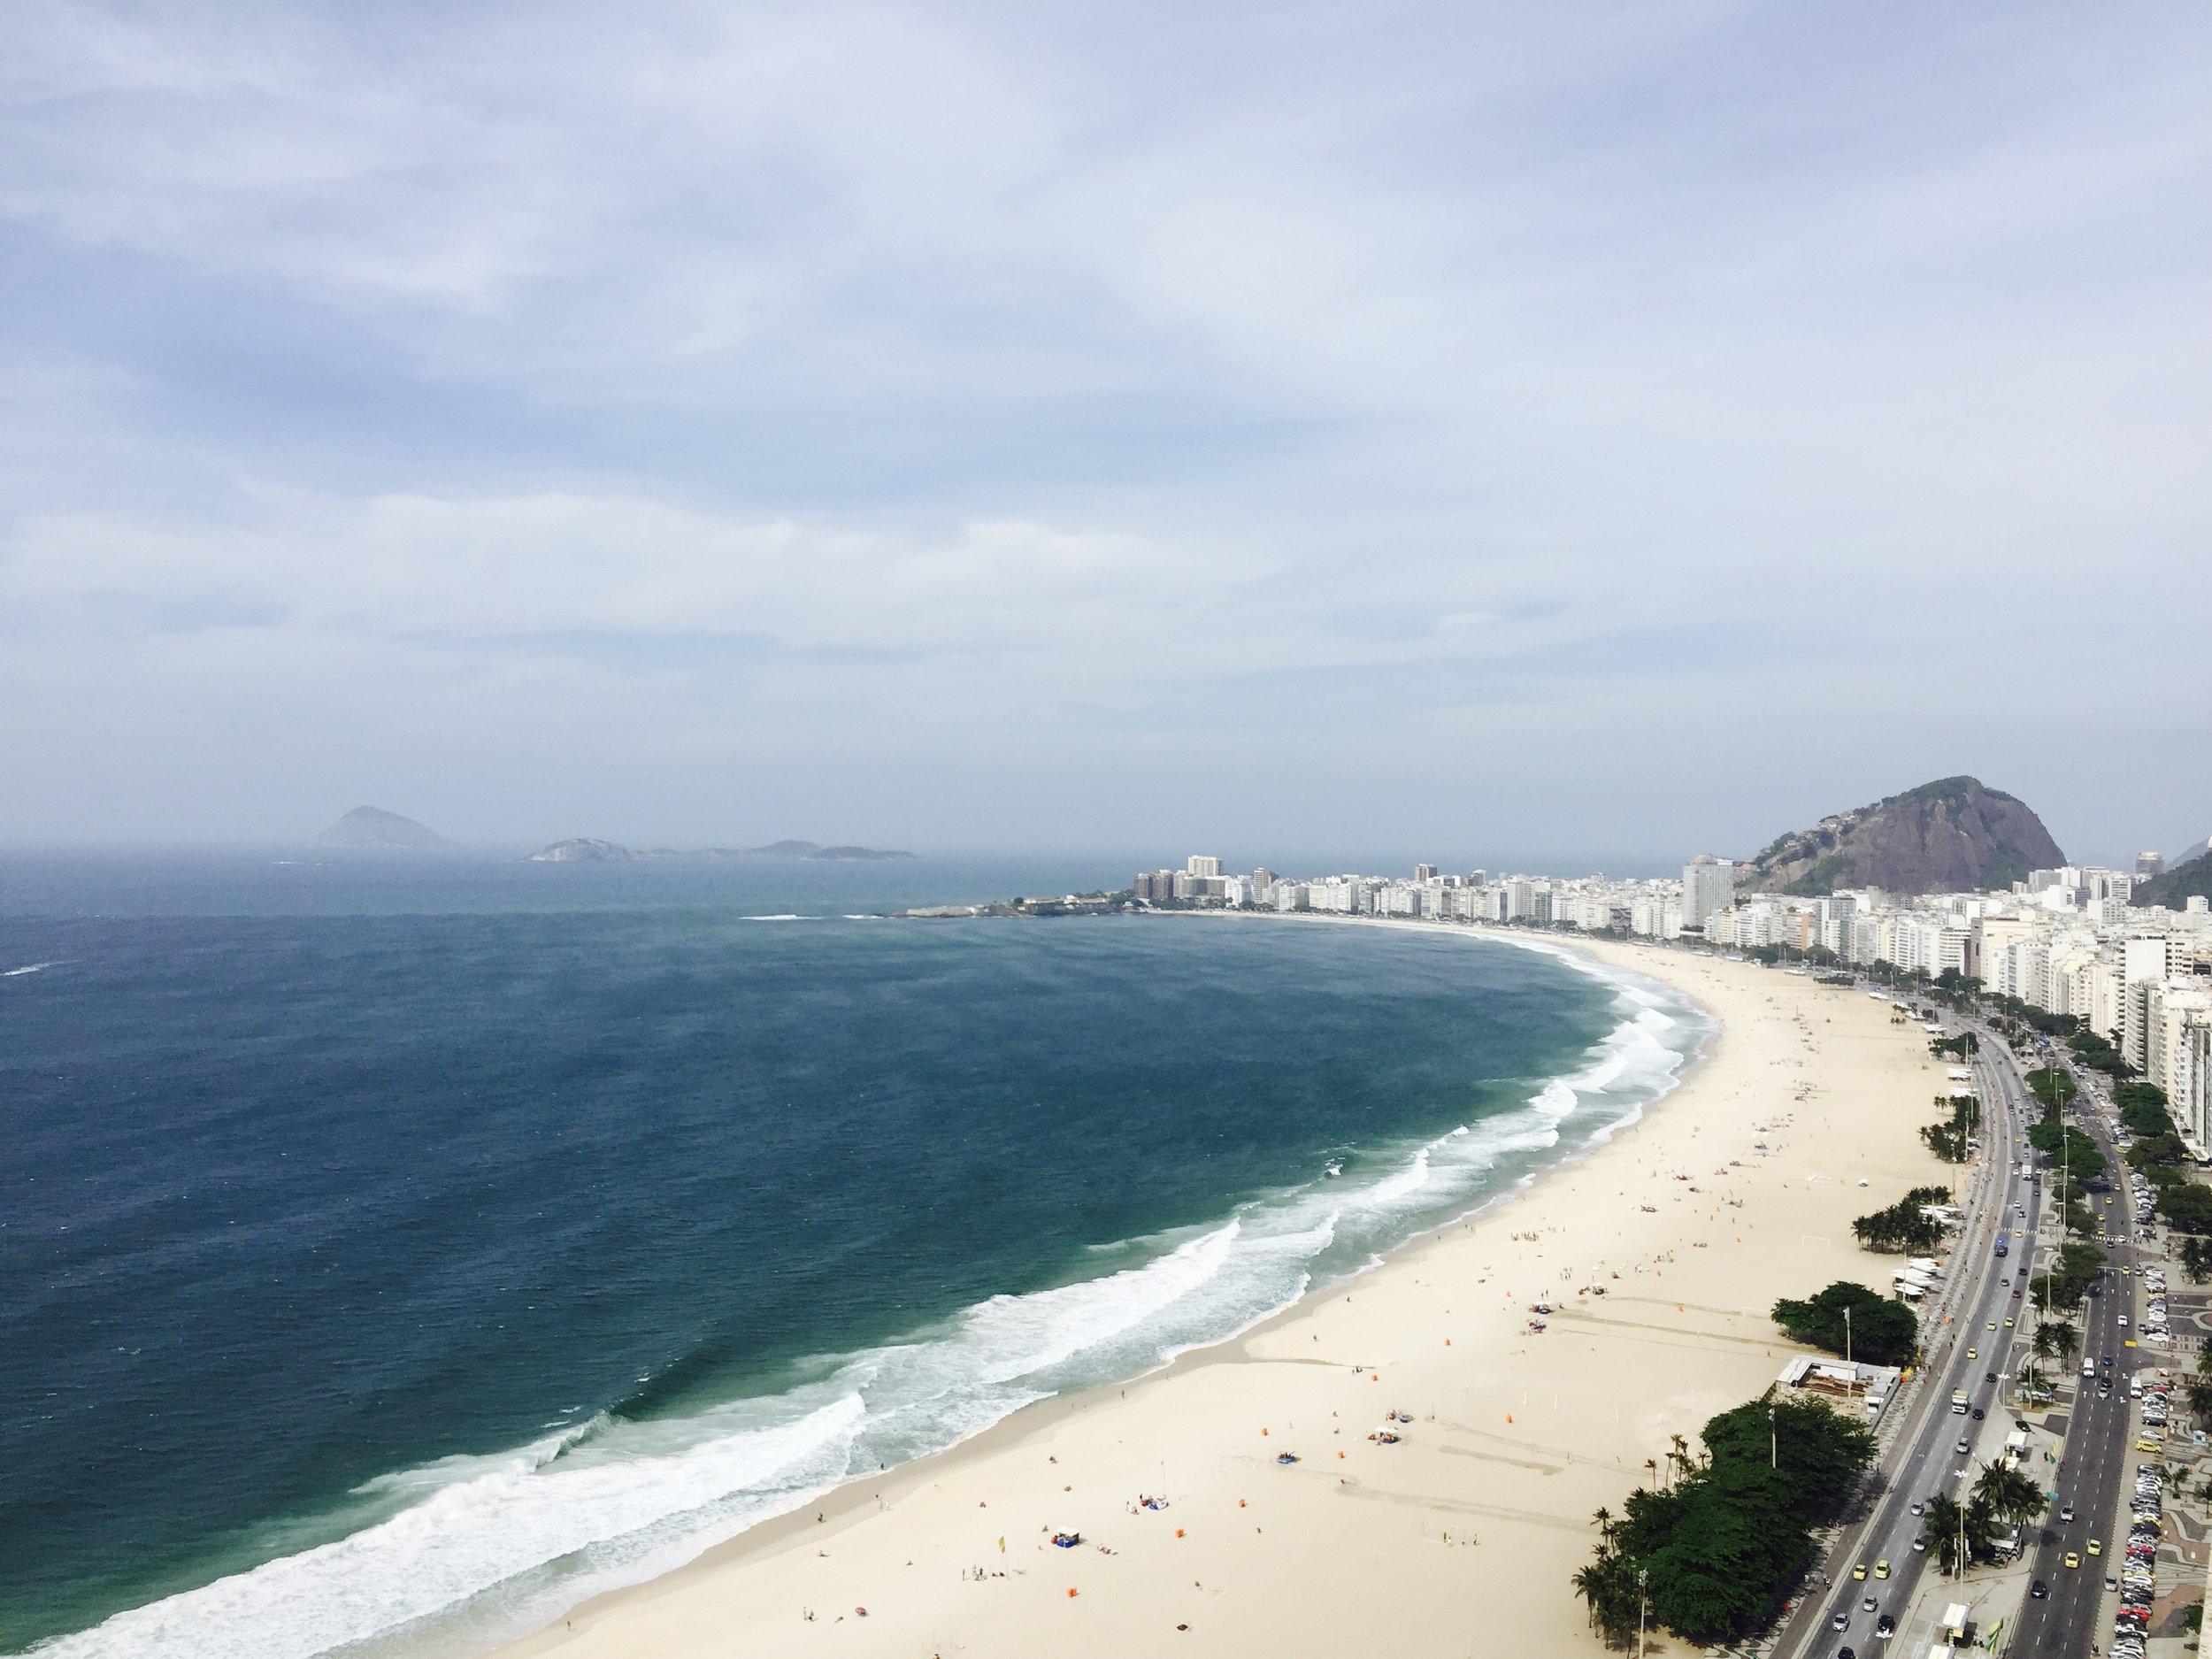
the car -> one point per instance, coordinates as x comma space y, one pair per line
1979, 1414
1964, 1446
1881, 1571
1919, 1509
1885, 1627
2038, 1589
1842, 1621
2007, 1322
2016, 1295
1859, 1572
2105, 1361
2096, 1546
2066, 1514
1868, 1604
1844, 1653
1973, 1353
1989, 1376
2124, 1322
2111, 1584
1920, 1545
2072, 1559
1993, 1325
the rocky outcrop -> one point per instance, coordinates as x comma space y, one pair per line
372, 829
1953, 835
582, 849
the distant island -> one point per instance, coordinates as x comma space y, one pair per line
372, 829
588, 849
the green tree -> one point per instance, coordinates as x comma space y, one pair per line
1882, 1331
2188, 1208
1610, 1585
2196, 1259
1945, 1523
2057, 1338
2010, 1495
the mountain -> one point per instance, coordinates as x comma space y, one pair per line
2191, 878
581, 850
1949, 836
372, 829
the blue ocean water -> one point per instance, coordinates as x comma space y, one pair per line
396, 1252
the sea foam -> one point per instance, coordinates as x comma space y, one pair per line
482, 1548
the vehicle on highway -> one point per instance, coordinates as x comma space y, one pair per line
1859, 1572
1979, 1414
1919, 1509
2096, 1546
1964, 1446
2072, 1559
1973, 1353
1920, 1545
1868, 1604
2111, 1584
1842, 1621
2066, 1514
1885, 1627
2038, 1589
1881, 1569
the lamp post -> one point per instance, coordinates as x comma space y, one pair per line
1774, 1440
1846, 1340
1641, 1598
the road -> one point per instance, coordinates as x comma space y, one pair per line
2100, 1455
1923, 1457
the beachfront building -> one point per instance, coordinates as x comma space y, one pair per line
1709, 887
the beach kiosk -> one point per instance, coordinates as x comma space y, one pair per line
1955, 1618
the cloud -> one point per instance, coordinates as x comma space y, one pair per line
1108, 378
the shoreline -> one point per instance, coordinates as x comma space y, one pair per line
877, 1533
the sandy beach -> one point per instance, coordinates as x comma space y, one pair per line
1460, 1538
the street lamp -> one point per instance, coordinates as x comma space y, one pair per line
1774, 1441
1641, 1598
1846, 1339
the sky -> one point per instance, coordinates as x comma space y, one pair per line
1469, 432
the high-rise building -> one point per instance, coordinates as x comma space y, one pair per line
1198, 865
1425, 872
2149, 864
1709, 887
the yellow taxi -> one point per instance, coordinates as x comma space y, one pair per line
1858, 1572
1973, 1353
1881, 1570
2072, 1559
2007, 1324
2095, 1548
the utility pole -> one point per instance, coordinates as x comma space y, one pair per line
1774, 1441
1641, 1598
1847, 1338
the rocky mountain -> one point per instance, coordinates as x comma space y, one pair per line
368, 828
2191, 878
1948, 836
582, 849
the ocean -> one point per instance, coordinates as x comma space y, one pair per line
397, 1251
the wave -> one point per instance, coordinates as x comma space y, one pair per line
462, 1554
34, 967
779, 918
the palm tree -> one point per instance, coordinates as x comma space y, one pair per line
1944, 1522
2060, 1338
2008, 1494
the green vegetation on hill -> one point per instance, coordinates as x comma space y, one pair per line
1881, 1331
2192, 878
1720, 1545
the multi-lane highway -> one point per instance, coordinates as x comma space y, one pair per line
1971, 1342
2099, 1454
1965, 1353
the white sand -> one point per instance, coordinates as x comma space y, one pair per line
1459, 1540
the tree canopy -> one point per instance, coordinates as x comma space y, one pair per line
1720, 1547
1882, 1331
